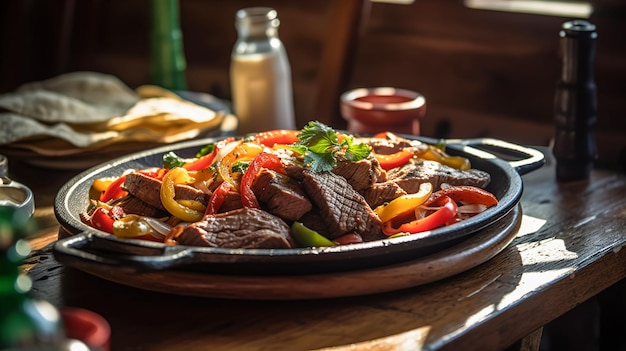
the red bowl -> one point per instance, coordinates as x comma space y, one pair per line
373, 110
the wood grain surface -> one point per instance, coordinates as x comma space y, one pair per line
569, 248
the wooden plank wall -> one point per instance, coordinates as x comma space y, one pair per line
484, 73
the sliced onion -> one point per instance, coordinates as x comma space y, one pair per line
226, 150
421, 211
160, 229
202, 185
471, 209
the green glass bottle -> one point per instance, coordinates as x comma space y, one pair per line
167, 63
25, 323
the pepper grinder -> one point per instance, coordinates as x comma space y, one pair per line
575, 103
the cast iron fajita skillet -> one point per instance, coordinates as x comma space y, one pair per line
91, 245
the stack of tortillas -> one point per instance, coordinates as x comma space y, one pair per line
83, 112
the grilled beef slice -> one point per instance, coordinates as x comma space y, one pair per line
360, 174
293, 169
245, 228
342, 208
281, 195
386, 146
232, 201
314, 221
147, 189
380, 193
410, 176
133, 205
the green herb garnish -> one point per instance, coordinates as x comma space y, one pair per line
440, 144
239, 167
172, 160
319, 144
205, 150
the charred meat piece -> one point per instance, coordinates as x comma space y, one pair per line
133, 205
410, 176
293, 169
314, 221
147, 189
245, 228
361, 174
232, 201
380, 193
282, 195
386, 146
342, 208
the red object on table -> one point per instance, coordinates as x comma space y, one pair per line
374, 110
87, 326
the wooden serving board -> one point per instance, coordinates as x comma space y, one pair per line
477, 249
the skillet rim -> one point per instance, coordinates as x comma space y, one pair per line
407, 247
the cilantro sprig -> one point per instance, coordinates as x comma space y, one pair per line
171, 159
320, 146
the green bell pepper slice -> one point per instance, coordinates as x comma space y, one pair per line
308, 237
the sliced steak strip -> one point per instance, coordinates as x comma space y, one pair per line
361, 174
281, 195
147, 189
232, 201
133, 205
386, 146
186, 192
342, 208
293, 169
314, 221
245, 228
410, 176
380, 193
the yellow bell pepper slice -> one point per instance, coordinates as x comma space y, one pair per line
99, 185
192, 204
241, 153
175, 176
404, 203
130, 226
434, 153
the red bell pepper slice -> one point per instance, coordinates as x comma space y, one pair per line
217, 198
350, 238
101, 220
114, 191
466, 194
441, 217
397, 159
381, 135
205, 161
278, 136
202, 162
263, 160
156, 173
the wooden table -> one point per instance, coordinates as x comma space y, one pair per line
569, 249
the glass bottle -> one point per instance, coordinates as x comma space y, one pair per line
25, 323
260, 75
575, 102
167, 58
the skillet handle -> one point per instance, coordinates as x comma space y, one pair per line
108, 250
523, 159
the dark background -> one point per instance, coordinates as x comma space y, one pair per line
484, 73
